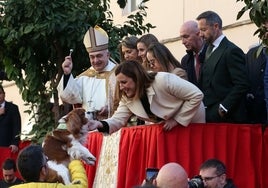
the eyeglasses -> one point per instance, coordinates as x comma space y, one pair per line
151, 63
206, 179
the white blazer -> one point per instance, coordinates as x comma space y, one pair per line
169, 97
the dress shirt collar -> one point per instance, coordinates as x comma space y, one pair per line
217, 42
2, 105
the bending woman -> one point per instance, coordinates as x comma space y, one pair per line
153, 97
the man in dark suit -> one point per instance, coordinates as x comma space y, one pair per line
195, 48
256, 106
223, 77
10, 123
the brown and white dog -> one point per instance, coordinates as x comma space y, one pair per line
64, 145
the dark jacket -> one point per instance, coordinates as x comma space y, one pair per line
224, 81
10, 125
229, 184
188, 64
256, 107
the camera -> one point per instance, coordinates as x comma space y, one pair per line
196, 182
151, 174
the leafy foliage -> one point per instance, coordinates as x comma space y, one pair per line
258, 13
36, 35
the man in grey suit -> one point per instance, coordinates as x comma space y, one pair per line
223, 77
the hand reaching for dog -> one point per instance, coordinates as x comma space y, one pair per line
103, 111
93, 125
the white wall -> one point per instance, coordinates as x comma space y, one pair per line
168, 16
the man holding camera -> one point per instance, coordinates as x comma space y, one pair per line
213, 174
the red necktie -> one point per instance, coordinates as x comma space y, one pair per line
197, 66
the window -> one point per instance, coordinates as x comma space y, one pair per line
131, 6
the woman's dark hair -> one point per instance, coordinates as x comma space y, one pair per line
147, 39
129, 42
164, 56
138, 74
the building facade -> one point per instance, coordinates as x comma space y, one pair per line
168, 16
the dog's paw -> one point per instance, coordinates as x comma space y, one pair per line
89, 160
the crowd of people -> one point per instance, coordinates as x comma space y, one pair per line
33, 168
212, 174
214, 82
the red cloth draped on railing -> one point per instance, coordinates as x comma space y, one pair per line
5, 152
264, 166
242, 148
94, 143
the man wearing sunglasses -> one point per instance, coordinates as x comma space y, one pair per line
213, 174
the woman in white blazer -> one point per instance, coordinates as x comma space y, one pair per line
153, 97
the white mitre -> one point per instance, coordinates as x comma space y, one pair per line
96, 39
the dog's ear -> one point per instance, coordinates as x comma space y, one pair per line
53, 176
75, 120
73, 123
82, 114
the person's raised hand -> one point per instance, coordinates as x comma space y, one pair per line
67, 65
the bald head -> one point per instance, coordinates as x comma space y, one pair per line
189, 33
172, 175
190, 26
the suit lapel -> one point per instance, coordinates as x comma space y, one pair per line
214, 58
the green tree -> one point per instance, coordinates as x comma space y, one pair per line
258, 14
36, 35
